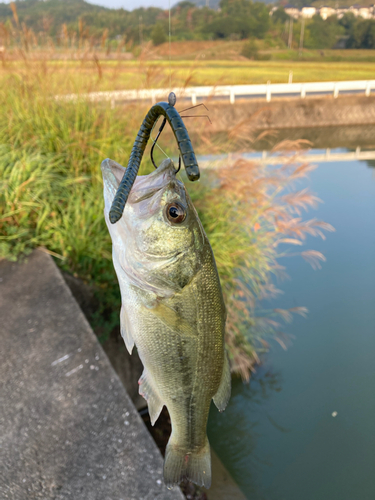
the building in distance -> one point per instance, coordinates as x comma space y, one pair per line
366, 12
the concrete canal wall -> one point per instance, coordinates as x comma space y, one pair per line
68, 429
347, 136
292, 113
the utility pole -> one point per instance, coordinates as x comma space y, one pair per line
290, 33
285, 34
207, 3
140, 31
301, 37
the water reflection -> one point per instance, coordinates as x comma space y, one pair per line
240, 447
278, 437
279, 157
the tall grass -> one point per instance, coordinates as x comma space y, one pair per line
51, 185
51, 195
250, 213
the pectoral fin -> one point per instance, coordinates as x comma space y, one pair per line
147, 391
222, 396
173, 320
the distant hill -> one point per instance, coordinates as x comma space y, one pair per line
86, 19
39, 14
68, 9
214, 4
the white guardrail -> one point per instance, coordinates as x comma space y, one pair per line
232, 91
277, 159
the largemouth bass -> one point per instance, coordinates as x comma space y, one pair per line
172, 310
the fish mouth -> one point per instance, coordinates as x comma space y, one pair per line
145, 186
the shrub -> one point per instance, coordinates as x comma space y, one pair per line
158, 35
250, 50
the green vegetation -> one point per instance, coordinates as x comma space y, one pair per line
51, 195
76, 23
361, 34
158, 35
250, 51
239, 19
322, 34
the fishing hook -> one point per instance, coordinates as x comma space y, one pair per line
163, 125
154, 144
155, 141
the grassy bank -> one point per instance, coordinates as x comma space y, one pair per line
231, 51
93, 74
51, 195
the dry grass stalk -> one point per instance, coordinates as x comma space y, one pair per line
248, 216
15, 14
104, 38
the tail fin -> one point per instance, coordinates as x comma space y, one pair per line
181, 463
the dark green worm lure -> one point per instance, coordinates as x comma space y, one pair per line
170, 114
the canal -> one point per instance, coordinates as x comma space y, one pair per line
304, 428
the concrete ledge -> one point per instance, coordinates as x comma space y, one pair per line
68, 429
292, 113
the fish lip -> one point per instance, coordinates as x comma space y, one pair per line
110, 185
165, 166
145, 186
109, 167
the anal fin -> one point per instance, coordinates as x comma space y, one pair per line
154, 402
126, 330
222, 396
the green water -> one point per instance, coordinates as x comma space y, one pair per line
278, 437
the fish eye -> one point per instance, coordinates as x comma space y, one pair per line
175, 212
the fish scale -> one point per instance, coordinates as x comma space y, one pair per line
173, 311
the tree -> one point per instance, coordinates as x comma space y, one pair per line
348, 21
259, 19
184, 5
280, 16
158, 35
240, 19
323, 34
362, 34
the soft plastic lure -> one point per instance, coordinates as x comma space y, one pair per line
189, 159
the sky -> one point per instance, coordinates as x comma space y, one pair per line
128, 4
